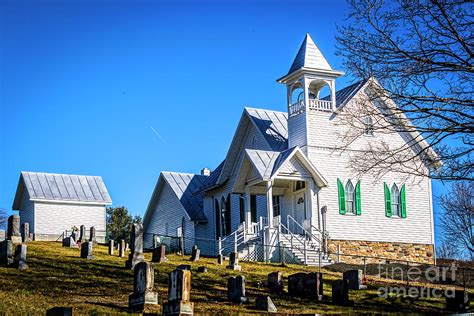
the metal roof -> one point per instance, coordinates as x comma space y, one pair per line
345, 94
309, 56
211, 180
273, 125
61, 187
187, 186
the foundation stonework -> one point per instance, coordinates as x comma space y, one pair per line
349, 249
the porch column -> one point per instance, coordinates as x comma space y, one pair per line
248, 215
270, 203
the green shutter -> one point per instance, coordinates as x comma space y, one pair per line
388, 202
404, 204
342, 199
358, 203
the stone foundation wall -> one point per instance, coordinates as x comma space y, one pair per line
351, 249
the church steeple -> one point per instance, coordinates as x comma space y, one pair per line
309, 56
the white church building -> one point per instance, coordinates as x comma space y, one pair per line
282, 183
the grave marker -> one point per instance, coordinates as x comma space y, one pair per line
13, 232
136, 254
122, 248
313, 286
179, 294
6, 252
25, 232
92, 234
111, 247
275, 282
234, 261
159, 254
265, 303
86, 250
82, 236
20, 257
340, 293
355, 278
236, 289
195, 254
143, 283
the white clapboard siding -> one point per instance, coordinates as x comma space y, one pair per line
27, 212
297, 131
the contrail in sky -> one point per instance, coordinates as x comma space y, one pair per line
158, 135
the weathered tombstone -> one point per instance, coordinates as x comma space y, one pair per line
20, 257
296, 284
459, 303
265, 303
92, 234
156, 241
13, 232
355, 279
82, 232
143, 282
195, 254
202, 269
184, 267
74, 236
127, 247
340, 293
236, 289
136, 253
179, 294
86, 250
220, 259
59, 311
69, 242
313, 286
122, 248
234, 261
275, 282
25, 232
159, 254
6, 252
111, 247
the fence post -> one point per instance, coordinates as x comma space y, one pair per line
338, 252
408, 267
304, 247
365, 266
319, 252
220, 246
235, 242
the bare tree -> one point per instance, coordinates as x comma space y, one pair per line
458, 218
3, 217
421, 54
447, 251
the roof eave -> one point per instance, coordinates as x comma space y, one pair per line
290, 77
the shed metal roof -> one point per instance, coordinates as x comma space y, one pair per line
61, 187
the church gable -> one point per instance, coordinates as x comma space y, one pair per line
293, 167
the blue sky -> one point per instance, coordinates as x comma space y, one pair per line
125, 89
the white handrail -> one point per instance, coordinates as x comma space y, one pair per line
307, 233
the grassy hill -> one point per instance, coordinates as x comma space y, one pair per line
57, 276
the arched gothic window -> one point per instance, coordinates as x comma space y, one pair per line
350, 198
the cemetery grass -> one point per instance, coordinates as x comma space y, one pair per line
57, 276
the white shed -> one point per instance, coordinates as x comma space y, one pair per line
53, 203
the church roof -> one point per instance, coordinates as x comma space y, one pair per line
273, 126
309, 56
345, 94
61, 188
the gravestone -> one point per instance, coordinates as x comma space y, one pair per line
136, 251
70, 242
195, 254
236, 289
220, 259
122, 248
340, 293
6, 252
313, 286
179, 294
143, 283
275, 282
355, 279
156, 241
202, 269
127, 247
296, 283
111, 247
25, 232
459, 303
13, 232
184, 267
20, 257
234, 261
159, 254
74, 236
59, 311
86, 250
82, 232
92, 235
265, 303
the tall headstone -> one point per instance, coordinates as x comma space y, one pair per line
159, 254
70, 242
156, 241
74, 236
82, 232
340, 293
296, 283
111, 247
265, 303
355, 278
136, 251
86, 250
122, 248
20, 257
236, 289
195, 254
275, 282
234, 261
13, 232
179, 294
6, 252
313, 286
143, 282
458, 303
25, 232
220, 259
92, 234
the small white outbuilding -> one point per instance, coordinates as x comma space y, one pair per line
54, 203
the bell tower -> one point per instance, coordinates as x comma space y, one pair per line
309, 74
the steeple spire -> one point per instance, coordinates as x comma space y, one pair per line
309, 56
